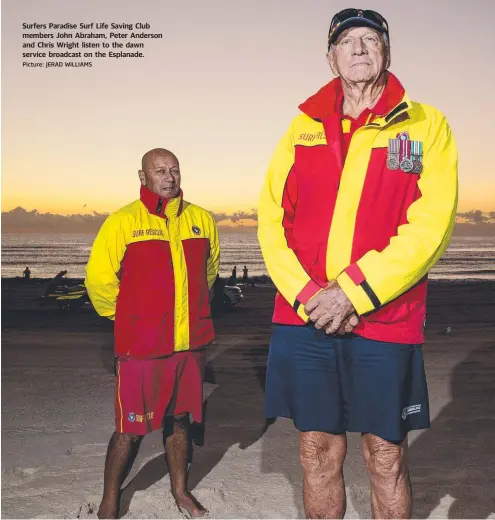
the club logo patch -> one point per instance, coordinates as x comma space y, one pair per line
131, 417
408, 410
196, 230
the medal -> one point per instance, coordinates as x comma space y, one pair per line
393, 154
405, 154
393, 163
417, 167
416, 156
406, 164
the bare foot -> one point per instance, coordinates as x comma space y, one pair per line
108, 510
189, 506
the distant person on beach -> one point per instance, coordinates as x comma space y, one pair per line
151, 267
358, 205
218, 295
245, 278
27, 274
218, 286
233, 277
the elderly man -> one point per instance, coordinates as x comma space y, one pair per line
358, 205
151, 268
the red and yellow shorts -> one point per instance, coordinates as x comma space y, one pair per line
150, 389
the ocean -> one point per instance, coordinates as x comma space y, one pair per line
467, 258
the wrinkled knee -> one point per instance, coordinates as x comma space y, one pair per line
385, 461
319, 456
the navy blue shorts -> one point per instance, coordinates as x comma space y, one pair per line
336, 384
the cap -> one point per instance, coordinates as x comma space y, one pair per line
355, 18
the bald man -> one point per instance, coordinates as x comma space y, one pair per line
150, 270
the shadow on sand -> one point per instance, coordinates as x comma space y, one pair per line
456, 456
233, 415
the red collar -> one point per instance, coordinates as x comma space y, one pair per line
161, 206
328, 100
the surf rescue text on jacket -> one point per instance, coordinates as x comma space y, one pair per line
336, 208
150, 269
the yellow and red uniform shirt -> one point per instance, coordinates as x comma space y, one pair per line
331, 209
150, 269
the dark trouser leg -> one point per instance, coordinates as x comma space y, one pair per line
121, 453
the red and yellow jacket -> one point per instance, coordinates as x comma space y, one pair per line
328, 213
150, 269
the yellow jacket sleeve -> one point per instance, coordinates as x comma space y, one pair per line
288, 275
213, 263
102, 281
379, 277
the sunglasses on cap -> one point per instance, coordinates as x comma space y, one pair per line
356, 18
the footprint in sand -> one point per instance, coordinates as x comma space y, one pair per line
17, 476
89, 450
85, 510
157, 504
25, 472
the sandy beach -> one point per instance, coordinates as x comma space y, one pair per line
57, 417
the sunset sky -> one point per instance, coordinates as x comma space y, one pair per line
219, 90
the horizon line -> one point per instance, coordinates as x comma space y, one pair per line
235, 213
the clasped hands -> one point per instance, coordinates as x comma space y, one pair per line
331, 310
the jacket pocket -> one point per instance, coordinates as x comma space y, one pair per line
313, 259
145, 336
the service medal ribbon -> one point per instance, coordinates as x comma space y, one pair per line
417, 156
406, 164
393, 154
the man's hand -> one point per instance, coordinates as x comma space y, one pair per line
348, 325
331, 310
